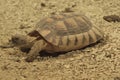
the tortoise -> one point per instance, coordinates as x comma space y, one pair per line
59, 33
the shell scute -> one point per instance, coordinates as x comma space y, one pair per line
58, 29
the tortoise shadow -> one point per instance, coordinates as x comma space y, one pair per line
43, 53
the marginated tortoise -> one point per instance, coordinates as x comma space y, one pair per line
59, 33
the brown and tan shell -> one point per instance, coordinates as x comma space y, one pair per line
61, 29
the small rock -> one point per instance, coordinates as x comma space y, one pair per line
43, 5
71, 59
117, 78
23, 26
68, 10
112, 18
67, 66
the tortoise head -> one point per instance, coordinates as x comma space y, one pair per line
18, 40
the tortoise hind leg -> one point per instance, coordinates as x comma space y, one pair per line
36, 48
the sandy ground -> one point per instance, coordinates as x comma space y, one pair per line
98, 62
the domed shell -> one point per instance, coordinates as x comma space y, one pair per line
55, 27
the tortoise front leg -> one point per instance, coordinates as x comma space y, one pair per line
26, 47
36, 48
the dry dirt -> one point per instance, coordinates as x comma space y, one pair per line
98, 62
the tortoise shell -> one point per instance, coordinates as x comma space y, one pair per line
67, 28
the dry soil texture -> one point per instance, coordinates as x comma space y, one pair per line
98, 62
